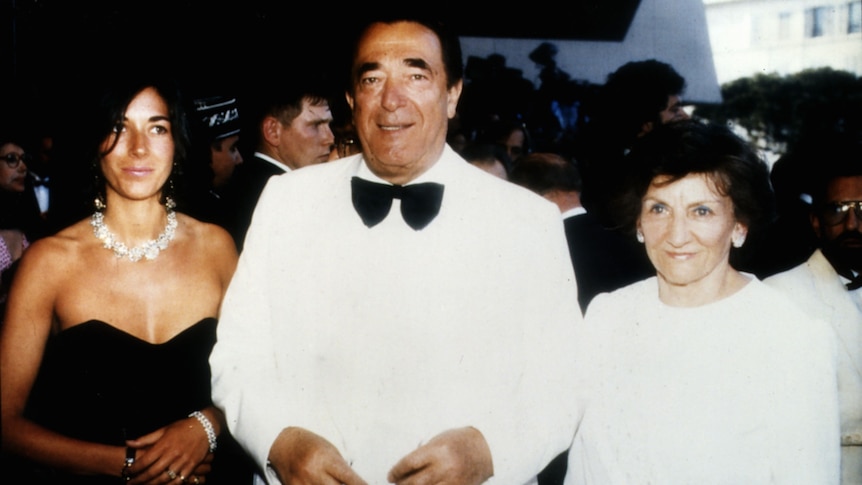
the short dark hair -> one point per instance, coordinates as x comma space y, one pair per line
282, 97
689, 147
543, 172
636, 93
836, 156
450, 43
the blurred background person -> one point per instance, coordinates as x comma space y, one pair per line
490, 157
604, 260
20, 218
288, 127
346, 140
829, 284
510, 134
215, 154
635, 99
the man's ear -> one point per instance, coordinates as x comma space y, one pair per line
815, 223
454, 96
271, 130
349, 99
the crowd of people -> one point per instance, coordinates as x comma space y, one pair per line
295, 285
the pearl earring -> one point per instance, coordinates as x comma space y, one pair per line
738, 241
640, 237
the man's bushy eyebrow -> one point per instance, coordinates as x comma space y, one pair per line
418, 63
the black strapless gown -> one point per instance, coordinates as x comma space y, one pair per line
98, 383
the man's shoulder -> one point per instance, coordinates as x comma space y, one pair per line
256, 167
794, 273
807, 271
320, 179
503, 195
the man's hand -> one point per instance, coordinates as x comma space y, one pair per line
300, 457
455, 457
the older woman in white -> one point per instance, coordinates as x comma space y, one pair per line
701, 374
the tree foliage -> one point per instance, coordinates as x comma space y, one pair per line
778, 112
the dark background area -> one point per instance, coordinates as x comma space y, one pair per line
51, 45
56, 54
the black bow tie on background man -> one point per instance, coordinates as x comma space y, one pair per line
855, 282
420, 203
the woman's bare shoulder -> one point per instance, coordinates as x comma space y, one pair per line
65, 245
211, 240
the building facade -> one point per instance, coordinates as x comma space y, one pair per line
783, 37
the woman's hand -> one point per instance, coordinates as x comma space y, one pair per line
177, 453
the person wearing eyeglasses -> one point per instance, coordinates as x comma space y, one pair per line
13, 172
828, 284
19, 213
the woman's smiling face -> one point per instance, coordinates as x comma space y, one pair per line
688, 228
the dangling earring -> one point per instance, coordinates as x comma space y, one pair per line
640, 237
169, 190
99, 203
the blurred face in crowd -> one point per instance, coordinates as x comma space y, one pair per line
225, 157
839, 224
140, 162
688, 228
308, 138
514, 143
13, 169
400, 100
674, 110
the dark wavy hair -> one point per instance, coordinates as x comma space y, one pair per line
678, 149
635, 94
109, 111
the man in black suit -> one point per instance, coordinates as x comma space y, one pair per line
635, 99
290, 129
603, 259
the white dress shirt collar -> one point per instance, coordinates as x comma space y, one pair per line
273, 161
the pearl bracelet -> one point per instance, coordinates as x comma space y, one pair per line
208, 427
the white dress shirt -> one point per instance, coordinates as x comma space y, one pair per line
380, 338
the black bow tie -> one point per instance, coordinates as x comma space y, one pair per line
855, 283
420, 203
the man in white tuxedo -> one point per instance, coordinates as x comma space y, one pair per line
400, 315
829, 284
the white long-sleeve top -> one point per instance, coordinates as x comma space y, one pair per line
742, 390
379, 339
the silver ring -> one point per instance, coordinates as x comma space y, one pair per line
171, 474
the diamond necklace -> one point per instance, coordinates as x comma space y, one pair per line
149, 249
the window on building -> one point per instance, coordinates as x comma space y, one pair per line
784, 19
818, 21
854, 17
